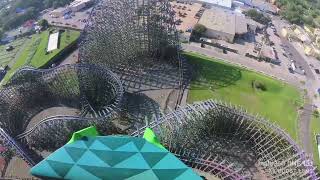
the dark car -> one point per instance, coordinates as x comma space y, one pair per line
9, 48
291, 70
317, 71
225, 51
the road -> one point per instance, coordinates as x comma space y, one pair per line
296, 56
278, 73
312, 83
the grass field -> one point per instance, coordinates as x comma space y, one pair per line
217, 80
35, 52
314, 130
7, 56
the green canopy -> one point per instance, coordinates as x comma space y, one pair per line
113, 157
89, 131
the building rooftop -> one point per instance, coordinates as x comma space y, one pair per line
223, 3
247, 2
219, 19
241, 24
267, 51
60, 9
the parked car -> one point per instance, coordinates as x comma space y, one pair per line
9, 48
225, 51
291, 70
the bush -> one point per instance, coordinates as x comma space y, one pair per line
199, 30
257, 16
44, 24
259, 85
316, 113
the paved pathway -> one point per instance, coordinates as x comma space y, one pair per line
304, 130
312, 83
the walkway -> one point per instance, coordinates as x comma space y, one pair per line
304, 129
311, 85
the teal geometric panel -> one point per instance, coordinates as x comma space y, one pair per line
114, 158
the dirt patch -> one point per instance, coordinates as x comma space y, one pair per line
18, 168
54, 111
207, 175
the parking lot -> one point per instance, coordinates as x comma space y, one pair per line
187, 14
76, 20
282, 51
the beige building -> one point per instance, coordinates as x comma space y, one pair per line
59, 12
223, 24
219, 3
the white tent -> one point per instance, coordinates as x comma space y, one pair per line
53, 42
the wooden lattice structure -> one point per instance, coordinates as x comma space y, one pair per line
232, 142
95, 91
136, 39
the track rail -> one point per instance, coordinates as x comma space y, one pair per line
179, 117
12, 144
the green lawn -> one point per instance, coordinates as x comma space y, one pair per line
41, 58
314, 130
35, 52
221, 81
7, 56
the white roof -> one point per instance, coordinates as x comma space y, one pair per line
224, 3
53, 42
78, 2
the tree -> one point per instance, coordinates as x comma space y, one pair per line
43, 23
257, 16
9, 19
199, 29
1, 33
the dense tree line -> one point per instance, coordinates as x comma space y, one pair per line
257, 16
301, 11
10, 19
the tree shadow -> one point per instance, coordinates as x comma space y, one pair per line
140, 107
246, 38
212, 75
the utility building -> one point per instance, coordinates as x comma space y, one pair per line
223, 24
